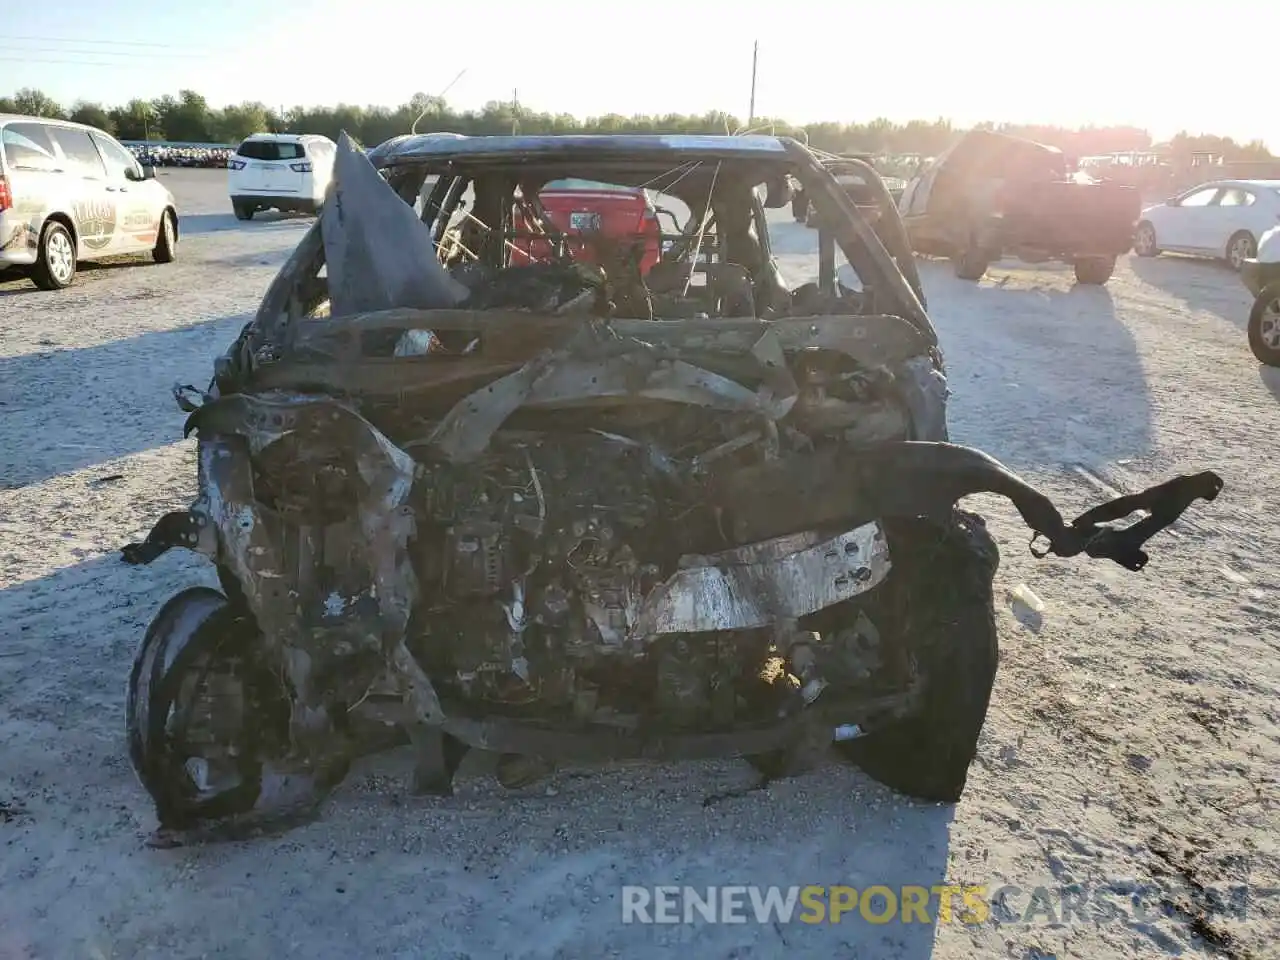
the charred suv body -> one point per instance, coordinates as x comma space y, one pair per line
574, 510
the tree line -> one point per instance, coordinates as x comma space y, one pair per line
189, 117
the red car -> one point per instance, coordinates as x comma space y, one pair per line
581, 208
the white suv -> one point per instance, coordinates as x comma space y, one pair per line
69, 193
285, 171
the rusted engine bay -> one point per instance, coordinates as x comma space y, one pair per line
566, 533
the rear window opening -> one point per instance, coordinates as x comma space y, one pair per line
271, 150
593, 185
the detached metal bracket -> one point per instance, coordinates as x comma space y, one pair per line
178, 529
1164, 504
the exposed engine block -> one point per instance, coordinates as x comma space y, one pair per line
531, 560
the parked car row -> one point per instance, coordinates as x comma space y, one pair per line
177, 156
992, 195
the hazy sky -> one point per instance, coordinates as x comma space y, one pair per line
1160, 65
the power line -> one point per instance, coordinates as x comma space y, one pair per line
137, 55
112, 43
77, 63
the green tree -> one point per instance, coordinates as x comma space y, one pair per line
35, 103
136, 120
232, 124
1254, 150
186, 118
94, 114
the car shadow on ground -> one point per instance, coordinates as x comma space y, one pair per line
1270, 377
475, 870
123, 406
1005, 339
195, 224
1200, 284
15, 282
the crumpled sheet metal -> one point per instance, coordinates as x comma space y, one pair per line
765, 583
378, 253
563, 377
923, 388
251, 537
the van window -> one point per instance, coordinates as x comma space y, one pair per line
270, 150
27, 147
119, 160
82, 156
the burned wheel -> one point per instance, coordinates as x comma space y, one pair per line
195, 721
939, 606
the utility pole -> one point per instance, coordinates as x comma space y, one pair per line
515, 112
751, 112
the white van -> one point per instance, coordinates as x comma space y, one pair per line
69, 193
284, 171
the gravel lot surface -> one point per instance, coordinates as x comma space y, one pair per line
1133, 739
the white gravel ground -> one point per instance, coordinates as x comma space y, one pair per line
1133, 739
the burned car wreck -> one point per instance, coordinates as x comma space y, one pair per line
572, 509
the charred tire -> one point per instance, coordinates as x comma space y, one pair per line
242, 210
55, 265
971, 263
1095, 271
939, 604
1241, 247
1144, 240
195, 643
1264, 326
166, 248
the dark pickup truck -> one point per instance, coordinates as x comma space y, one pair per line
993, 195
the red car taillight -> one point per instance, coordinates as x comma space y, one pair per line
300, 167
6, 198
235, 164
